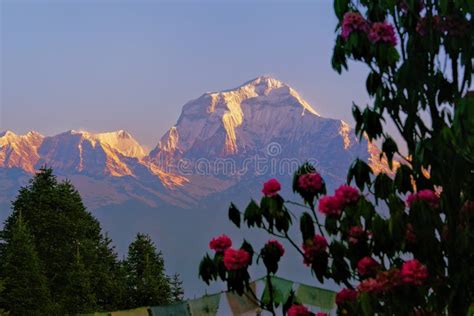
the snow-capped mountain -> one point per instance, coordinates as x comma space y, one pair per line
221, 142
20, 151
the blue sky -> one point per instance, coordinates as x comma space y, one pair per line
105, 65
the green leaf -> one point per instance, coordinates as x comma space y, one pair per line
365, 302
207, 269
389, 147
340, 8
402, 180
382, 186
234, 215
253, 214
248, 247
307, 226
360, 171
373, 83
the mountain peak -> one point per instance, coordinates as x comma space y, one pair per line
7, 133
264, 83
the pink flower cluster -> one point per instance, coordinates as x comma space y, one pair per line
384, 281
310, 182
236, 259
345, 296
382, 32
352, 22
344, 196
275, 244
413, 272
347, 194
271, 188
330, 206
370, 285
428, 196
356, 234
367, 266
298, 310
314, 247
220, 244
378, 32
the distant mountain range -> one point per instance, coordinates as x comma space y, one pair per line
222, 148
221, 142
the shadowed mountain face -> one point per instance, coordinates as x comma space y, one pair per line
222, 148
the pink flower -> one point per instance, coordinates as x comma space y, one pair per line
388, 279
369, 286
414, 272
353, 22
220, 244
236, 259
298, 310
321, 314
314, 247
311, 182
382, 32
346, 295
276, 245
367, 266
426, 195
330, 205
430, 197
271, 187
356, 234
347, 194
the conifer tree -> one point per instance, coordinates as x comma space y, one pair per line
25, 289
61, 227
177, 291
147, 282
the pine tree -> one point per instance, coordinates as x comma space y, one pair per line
60, 227
78, 295
25, 289
177, 291
147, 282
108, 279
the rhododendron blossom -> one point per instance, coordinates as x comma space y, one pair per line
347, 194
382, 32
330, 205
314, 247
414, 272
271, 187
276, 244
356, 234
426, 195
236, 259
352, 22
220, 244
298, 310
367, 266
369, 286
310, 182
345, 296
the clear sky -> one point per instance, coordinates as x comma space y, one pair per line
104, 65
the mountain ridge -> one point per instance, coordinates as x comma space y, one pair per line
263, 119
